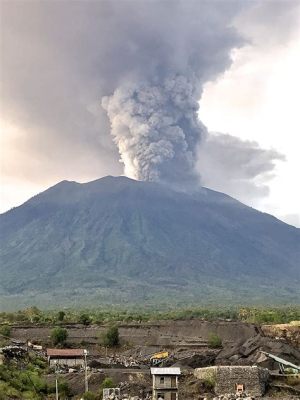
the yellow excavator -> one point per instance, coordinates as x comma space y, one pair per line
159, 357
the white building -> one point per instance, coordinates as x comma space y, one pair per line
68, 357
165, 383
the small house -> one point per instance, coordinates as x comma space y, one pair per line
68, 357
165, 383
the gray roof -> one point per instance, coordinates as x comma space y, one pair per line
165, 371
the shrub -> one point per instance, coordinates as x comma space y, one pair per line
5, 330
107, 383
85, 319
209, 383
61, 315
111, 338
214, 341
59, 335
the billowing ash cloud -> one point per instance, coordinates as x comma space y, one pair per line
238, 167
156, 129
132, 53
153, 110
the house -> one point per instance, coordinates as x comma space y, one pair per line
165, 383
68, 357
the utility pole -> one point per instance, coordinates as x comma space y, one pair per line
56, 388
56, 381
85, 352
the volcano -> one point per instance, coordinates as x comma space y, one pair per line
117, 240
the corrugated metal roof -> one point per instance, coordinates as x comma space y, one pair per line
165, 371
65, 352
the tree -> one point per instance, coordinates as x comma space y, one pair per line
61, 315
59, 335
33, 314
85, 319
111, 338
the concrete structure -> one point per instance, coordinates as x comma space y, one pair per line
112, 393
69, 357
165, 383
228, 379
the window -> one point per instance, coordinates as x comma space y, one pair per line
239, 388
161, 379
160, 396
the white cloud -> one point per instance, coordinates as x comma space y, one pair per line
258, 99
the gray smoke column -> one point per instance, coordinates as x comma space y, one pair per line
156, 129
153, 111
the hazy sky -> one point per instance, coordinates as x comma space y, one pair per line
59, 58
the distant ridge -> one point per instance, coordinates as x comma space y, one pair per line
116, 240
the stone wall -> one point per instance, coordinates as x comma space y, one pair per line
225, 378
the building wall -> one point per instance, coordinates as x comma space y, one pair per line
168, 382
71, 362
167, 394
225, 378
169, 387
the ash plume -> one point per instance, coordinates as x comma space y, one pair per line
147, 61
153, 111
157, 130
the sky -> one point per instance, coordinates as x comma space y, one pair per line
71, 70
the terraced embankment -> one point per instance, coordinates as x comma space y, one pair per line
184, 333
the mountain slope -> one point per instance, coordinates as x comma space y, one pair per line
116, 239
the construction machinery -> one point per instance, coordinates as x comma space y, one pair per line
159, 357
285, 367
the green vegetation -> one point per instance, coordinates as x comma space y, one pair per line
24, 380
89, 396
61, 315
5, 330
59, 336
209, 383
107, 383
143, 243
214, 341
279, 315
113, 315
85, 319
111, 337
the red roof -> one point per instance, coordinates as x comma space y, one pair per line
65, 352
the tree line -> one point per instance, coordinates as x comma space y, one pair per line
259, 315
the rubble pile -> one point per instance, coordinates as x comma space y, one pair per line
13, 352
193, 359
229, 396
123, 393
249, 352
119, 361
